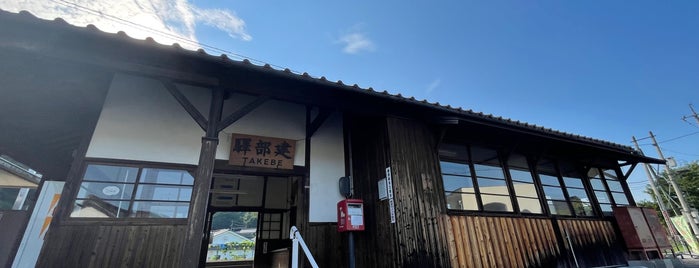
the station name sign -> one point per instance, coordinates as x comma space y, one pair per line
263, 152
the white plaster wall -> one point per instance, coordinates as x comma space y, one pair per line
327, 166
272, 119
142, 121
33, 239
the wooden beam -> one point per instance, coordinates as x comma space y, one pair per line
235, 116
196, 220
323, 115
628, 172
188, 106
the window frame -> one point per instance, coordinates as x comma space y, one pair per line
502, 159
140, 165
534, 183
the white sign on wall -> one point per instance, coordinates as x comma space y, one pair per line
383, 189
389, 185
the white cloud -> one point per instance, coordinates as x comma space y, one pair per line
167, 21
434, 85
355, 42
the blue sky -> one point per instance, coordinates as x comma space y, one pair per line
607, 70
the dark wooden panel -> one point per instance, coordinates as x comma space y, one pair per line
595, 243
12, 222
106, 246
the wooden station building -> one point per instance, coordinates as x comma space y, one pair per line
139, 144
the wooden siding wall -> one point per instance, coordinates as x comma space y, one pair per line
482, 241
595, 242
104, 246
418, 238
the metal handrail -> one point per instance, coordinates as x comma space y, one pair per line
296, 239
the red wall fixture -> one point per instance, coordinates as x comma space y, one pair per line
644, 235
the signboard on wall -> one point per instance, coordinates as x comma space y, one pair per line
261, 152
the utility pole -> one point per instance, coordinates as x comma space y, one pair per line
694, 114
658, 197
685, 207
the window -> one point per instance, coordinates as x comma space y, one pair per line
111, 191
601, 192
555, 199
474, 176
12, 198
458, 186
579, 200
523, 184
18, 184
607, 189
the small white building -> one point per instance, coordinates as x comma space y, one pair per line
227, 245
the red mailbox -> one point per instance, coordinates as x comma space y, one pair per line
350, 215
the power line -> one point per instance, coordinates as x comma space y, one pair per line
672, 139
162, 33
697, 155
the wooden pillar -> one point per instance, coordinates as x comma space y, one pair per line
202, 185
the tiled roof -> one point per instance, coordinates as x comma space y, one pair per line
463, 114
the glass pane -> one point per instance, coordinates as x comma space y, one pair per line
274, 235
573, 182
459, 201
606, 207
602, 197
578, 195
492, 186
484, 156
529, 205
570, 170
521, 175
275, 217
620, 199
518, 161
458, 184
496, 203
610, 174
8, 196
160, 209
549, 180
553, 193
525, 189
546, 167
489, 171
454, 151
28, 201
455, 168
110, 173
96, 208
582, 208
593, 173
277, 193
166, 176
614, 186
597, 184
105, 190
559, 207
164, 193
230, 241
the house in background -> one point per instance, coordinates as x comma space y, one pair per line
227, 245
140, 143
17, 183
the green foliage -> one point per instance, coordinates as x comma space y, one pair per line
687, 178
233, 220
